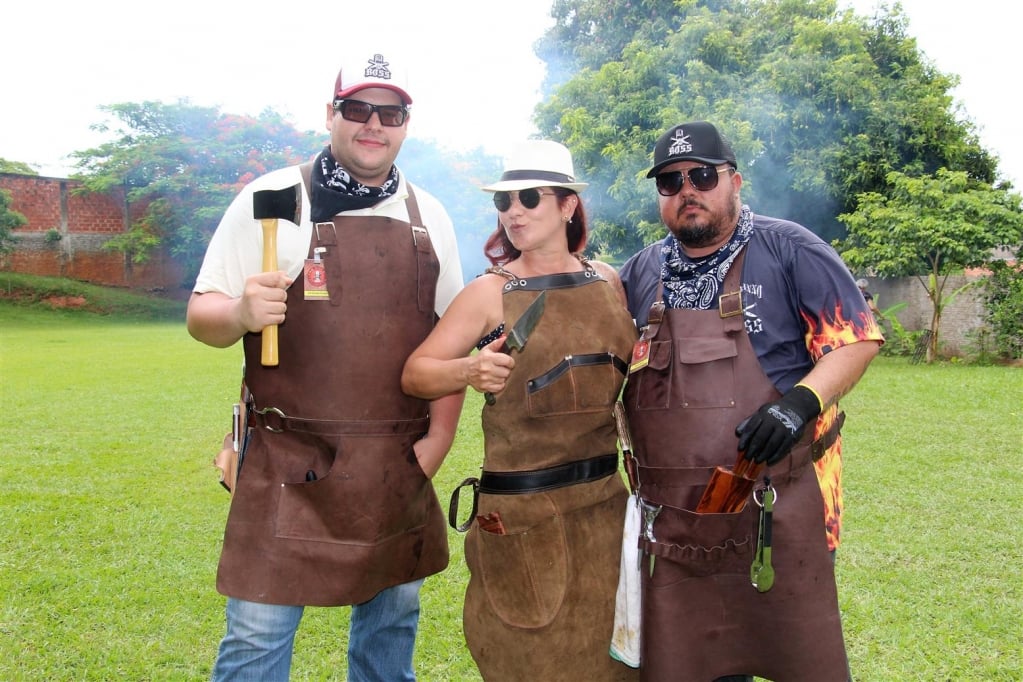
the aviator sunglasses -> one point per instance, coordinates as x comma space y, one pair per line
391, 115
703, 178
529, 198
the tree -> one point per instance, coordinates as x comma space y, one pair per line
590, 33
929, 227
819, 105
184, 164
18, 167
9, 220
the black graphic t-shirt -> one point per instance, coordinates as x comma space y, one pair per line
799, 299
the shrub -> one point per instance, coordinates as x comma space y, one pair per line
1003, 303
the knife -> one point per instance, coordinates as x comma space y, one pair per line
520, 331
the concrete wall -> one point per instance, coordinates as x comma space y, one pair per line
958, 319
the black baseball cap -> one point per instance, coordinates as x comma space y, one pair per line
694, 141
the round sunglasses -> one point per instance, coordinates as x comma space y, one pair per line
703, 178
391, 115
529, 198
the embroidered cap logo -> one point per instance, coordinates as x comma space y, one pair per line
378, 68
680, 144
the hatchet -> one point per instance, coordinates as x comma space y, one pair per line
268, 206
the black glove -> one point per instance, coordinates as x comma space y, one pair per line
769, 434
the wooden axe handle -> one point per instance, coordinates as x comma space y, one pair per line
269, 352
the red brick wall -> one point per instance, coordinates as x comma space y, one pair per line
85, 221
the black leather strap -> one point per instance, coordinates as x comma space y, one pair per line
273, 419
588, 359
538, 480
474, 488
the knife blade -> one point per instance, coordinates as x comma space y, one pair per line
520, 331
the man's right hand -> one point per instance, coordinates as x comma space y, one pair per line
769, 434
264, 300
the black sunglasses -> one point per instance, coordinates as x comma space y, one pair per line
529, 198
703, 178
391, 115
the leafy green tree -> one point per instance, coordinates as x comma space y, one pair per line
1003, 302
820, 105
590, 33
18, 167
9, 220
929, 227
184, 164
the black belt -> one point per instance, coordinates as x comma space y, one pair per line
539, 480
522, 482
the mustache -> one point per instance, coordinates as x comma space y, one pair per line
687, 202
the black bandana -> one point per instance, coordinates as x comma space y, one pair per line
695, 284
334, 190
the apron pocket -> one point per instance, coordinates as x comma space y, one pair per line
524, 574
352, 508
653, 382
707, 372
577, 384
699, 545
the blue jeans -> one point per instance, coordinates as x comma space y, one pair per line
382, 634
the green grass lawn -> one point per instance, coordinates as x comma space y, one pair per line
112, 515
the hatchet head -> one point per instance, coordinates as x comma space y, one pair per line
283, 204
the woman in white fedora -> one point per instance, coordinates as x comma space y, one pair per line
544, 528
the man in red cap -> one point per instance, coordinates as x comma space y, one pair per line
752, 330
333, 503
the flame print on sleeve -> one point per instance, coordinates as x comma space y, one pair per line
829, 476
825, 334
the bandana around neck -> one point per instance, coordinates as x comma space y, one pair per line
333, 190
694, 284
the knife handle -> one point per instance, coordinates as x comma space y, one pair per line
488, 396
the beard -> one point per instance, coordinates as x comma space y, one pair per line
694, 232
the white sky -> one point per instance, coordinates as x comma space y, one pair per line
474, 77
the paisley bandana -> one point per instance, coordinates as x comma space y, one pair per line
695, 284
334, 190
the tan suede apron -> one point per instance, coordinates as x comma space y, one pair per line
331, 504
540, 599
702, 618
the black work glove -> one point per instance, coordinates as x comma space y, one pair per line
769, 434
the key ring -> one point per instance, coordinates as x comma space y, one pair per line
767, 487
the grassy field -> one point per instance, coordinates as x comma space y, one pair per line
112, 515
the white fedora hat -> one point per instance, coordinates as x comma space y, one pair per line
537, 163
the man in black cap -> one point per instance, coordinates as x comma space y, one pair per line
753, 328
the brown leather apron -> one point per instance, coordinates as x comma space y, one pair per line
702, 618
331, 504
540, 599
